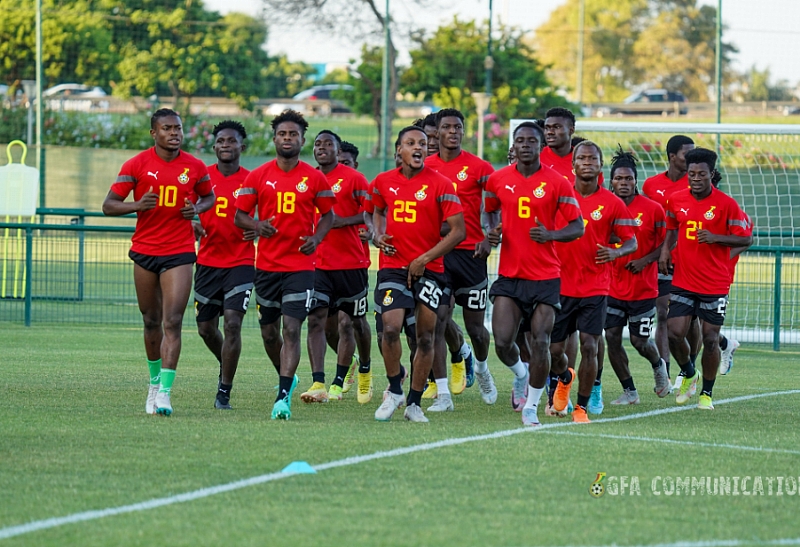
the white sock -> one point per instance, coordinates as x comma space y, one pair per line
481, 366
534, 394
519, 368
465, 351
441, 386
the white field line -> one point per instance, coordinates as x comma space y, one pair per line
12, 531
719, 543
672, 441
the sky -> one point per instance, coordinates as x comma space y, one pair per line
765, 31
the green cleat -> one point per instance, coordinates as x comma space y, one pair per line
281, 410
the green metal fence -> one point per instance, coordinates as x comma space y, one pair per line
71, 271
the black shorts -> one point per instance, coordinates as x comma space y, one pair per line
218, 289
393, 292
708, 307
342, 290
664, 285
527, 294
639, 315
587, 315
160, 264
467, 278
283, 293
409, 323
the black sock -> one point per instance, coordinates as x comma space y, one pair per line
723, 342
394, 383
414, 398
688, 369
552, 382
284, 386
364, 366
693, 358
708, 387
455, 357
666, 362
565, 377
431, 377
628, 384
657, 363
318, 377
583, 400
341, 372
224, 392
597, 381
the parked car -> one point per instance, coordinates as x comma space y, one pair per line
75, 97
649, 102
321, 92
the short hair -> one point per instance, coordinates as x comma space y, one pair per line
576, 141
675, 143
336, 137
289, 116
350, 148
624, 159
404, 131
448, 112
161, 113
587, 142
559, 112
429, 120
702, 155
230, 124
716, 178
532, 125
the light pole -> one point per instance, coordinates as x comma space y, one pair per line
29, 86
483, 100
581, 27
386, 121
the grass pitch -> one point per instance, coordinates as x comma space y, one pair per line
74, 438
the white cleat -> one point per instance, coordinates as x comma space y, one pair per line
443, 403
726, 360
628, 397
150, 405
391, 402
163, 404
487, 387
414, 413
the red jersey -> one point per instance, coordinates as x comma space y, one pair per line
163, 231
561, 164
342, 248
469, 174
735, 260
703, 268
522, 201
660, 187
293, 199
603, 214
651, 228
415, 209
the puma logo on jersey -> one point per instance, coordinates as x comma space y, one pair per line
684, 211
662, 192
511, 188
154, 175
394, 190
271, 184
709, 215
539, 192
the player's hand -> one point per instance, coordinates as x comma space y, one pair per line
198, 230
495, 235
704, 236
540, 234
365, 234
248, 235
382, 243
309, 244
148, 201
189, 210
605, 254
482, 250
636, 266
265, 228
665, 262
415, 270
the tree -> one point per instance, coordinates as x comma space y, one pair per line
634, 43
758, 85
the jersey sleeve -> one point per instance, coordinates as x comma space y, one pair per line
672, 220
491, 202
738, 221
485, 172
448, 199
203, 185
324, 198
377, 199
248, 193
623, 226
659, 223
126, 179
567, 202
361, 191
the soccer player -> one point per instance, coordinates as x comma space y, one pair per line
288, 194
659, 188
559, 126
162, 179
634, 285
341, 281
411, 203
586, 277
529, 195
429, 126
465, 266
703, 224
223, 281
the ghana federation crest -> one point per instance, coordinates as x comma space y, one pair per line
597, 214
337, 187
236, 192
302, 186
420, 194
709, 215
462, 175
638, 219
539, 191
387, 300
183, 178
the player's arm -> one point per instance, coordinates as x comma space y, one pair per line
341, 222
568, 233
204, 203
324, 225
665, 261
115, 205
609, 254
381, 239
638, 265
489, 221
368, 233
245, 222
455, 235
704, 236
